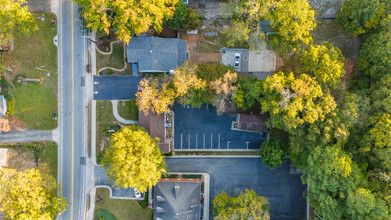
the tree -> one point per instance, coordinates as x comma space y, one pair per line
126, 17
272, 153
134, 159
331, 175
29, 194
375, 53
247, 205
155, 95
324, 62
224, 88
185, 79
178, 20
292, 100
248, 92
360, 16
193, 19
381, 95
14, 18
290, 23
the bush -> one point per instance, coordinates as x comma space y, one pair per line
144, 203
272, 153
99, 158
10, 107
109, 71
193, 20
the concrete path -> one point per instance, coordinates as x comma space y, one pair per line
118, 117
26, 136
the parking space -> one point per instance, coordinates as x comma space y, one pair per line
115, 87
202, 129
229, 56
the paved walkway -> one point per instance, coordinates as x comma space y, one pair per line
26, 136
118, 117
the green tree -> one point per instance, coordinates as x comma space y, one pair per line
179, 18
193, 19
291, 100
14, 18
290, 22
360, 16
247, 205
381, 95
248, 92
29, 194
134, 159
126, 17
375, 53
324, 62
272, 153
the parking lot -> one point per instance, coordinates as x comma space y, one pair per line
115, 87
202, 129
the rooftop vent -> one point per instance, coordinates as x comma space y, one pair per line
176, 191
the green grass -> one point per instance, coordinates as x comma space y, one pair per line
206, 44
104, 120
104, 214
115, 60
122, 209
250, 153
35, 103
50, 156
128, 109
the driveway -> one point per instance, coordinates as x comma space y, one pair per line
201, 128
25, 136
101, 180
233, 175
115, 87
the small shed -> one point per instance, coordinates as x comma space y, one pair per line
250, 123
3, 106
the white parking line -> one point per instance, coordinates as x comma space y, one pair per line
196, 142
181, 141
204, 140
219, 140
211, 141
189, 140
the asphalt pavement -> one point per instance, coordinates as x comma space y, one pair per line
202, 129
115, 87
72, 113
26, 136
235, 174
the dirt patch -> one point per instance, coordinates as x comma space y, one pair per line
326, 8
350, 67
165, 33
197, 58
20, 159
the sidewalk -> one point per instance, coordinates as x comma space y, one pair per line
118, 117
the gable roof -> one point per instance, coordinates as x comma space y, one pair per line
177, 201
156, 54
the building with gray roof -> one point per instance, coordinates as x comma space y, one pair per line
156, 54
177, 201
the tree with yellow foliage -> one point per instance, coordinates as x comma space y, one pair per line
14, 18
134, 159
29, 194
126, 17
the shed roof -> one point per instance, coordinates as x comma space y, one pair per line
156, 54
177, 201
155, 125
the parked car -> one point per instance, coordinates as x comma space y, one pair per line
237, 60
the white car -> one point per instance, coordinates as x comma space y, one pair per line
237, 60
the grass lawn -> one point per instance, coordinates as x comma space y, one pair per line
128, 109
104, 120
122, 209
251, 153
35, 102
212, 44
22, 158
115, 60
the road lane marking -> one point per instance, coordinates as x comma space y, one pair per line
73, 107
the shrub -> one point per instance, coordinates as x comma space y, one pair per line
193, 20
10, 107
272, 153
178, 20
109, 71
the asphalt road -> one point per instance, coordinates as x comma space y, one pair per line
72, 112
233, 175
115, 87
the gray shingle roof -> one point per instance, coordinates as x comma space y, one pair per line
155, 54
177, 201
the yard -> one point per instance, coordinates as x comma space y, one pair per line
35, 56
128, 109
114, 60
104, 121
20, 157
210, 40
121, 209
